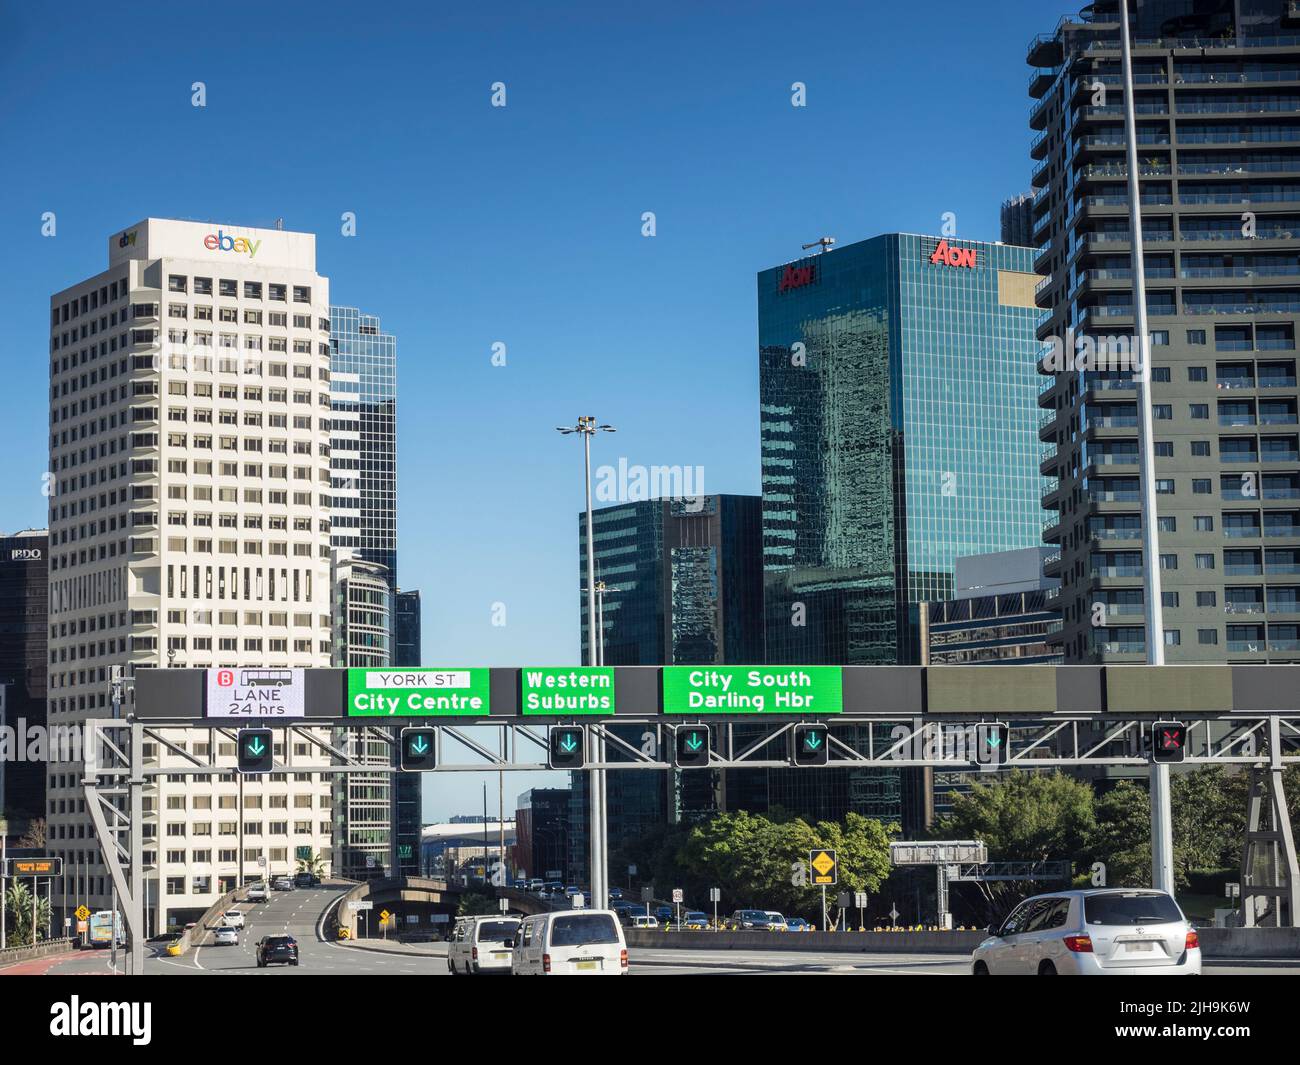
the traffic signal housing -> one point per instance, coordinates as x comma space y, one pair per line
810, 744
419, 750
991, 738
692, 747
1168, 741
256, 750
567, 748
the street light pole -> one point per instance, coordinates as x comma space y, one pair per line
1162, 847
595, 777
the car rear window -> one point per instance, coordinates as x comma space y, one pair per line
496, 931
581, 929
1135, 909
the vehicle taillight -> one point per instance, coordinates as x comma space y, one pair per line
622, 958
1193, 941
546, 963
475, 953
1079, 944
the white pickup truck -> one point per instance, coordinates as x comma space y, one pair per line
256, 893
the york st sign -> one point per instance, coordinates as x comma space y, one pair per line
948, 255
418, 692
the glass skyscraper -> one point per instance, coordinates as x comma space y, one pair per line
899, 430
898, 397
363, 438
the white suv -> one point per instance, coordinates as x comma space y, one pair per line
1102, 932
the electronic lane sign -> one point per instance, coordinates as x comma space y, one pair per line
1168, 741
810, 744
418, 692
825, 868
753, 690
256, 750
567, 746
419, 750
39, 867
570, 690
991, 739
256, 692
691, 751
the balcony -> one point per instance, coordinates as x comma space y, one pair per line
1114, 421
1114, 495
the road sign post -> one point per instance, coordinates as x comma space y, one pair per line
715, 894
860, 900
677, 902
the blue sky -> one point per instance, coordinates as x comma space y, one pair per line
519, 225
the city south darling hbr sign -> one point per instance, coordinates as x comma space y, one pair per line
753, 690
418, 692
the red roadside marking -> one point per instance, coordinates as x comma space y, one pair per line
37, 966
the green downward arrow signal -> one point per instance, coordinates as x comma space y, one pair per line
256, 746
694, 742
419, 745
993, 739
568, 744
812, 740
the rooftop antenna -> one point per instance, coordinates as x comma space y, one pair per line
821, 242
279, 223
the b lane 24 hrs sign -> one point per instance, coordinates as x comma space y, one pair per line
753, 690
418, 692
255, 693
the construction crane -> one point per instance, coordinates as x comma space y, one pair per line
822, 242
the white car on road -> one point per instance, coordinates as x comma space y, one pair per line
256, 893
225, 937
233, 918
1097, 932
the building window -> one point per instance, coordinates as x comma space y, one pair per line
1195, 336
1206, 637
1200, 448
1201, 486
1164, 486
1200, 411
1167, 524
1204, 561
1172, 638
1204, 523
1162, 412
1169, 561
1164, 449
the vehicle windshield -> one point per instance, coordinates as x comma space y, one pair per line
751, 915
1139, 908
696, 916
580, 929
497, 931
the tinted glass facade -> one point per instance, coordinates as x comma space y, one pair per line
363, 437
24, 615
898, 419
898, 426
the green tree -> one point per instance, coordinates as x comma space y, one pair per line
472, 904
313, 864
1024, 816
1122, 836
18, 902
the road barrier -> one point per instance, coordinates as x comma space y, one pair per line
1216, 943
12, 955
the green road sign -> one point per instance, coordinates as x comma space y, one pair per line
566, 690
418, 692
753, 690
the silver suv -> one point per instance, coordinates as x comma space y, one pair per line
1101, 932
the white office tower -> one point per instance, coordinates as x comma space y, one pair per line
189, 466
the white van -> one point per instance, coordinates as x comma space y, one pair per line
478, 945
642, 921
570, 943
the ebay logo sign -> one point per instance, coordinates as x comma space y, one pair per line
220, 241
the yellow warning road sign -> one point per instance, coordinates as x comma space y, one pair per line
82, 913
825, 867
384, 915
